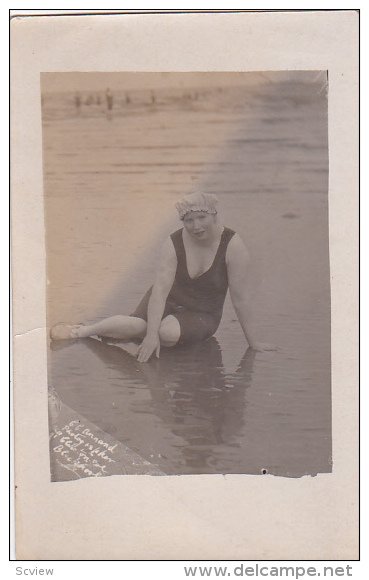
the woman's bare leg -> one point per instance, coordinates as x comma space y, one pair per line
119, 327
122, 328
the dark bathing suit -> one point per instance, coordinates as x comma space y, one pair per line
197, 303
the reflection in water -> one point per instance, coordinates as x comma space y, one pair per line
191, 394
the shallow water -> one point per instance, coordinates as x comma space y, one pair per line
110, 186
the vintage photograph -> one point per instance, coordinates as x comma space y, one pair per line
188, 275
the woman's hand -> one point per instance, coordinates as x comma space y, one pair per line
262, 346
147, 348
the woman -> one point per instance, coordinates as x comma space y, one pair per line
198, 263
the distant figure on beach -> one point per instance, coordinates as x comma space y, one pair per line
153, 98
109, 99
198, 263
128, 99
77, 102
89, 100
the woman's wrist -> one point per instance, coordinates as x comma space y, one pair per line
152, 334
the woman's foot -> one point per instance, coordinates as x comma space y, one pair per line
62, 331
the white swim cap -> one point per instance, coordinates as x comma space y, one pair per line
197, 202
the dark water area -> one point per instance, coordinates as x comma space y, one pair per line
111, 181
187, 414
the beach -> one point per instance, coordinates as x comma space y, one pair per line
111, 179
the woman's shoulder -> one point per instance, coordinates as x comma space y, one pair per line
177, 234
236, 249
168, 249
229, 232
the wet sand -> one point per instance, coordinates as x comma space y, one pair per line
110, 186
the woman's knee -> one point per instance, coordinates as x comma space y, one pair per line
169, 331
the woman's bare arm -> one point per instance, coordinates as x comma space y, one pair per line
237, 260
163, 283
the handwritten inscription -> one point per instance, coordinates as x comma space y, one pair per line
78, 449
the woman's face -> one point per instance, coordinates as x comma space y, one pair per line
199, 224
